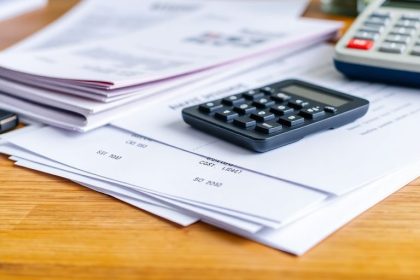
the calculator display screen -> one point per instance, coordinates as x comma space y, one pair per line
415, 4
315, 95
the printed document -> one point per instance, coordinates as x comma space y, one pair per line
349, 154
186, 45
128, 158
296, 238
94, 20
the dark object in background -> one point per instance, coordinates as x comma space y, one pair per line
8, 121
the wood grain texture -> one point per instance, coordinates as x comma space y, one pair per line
51, 228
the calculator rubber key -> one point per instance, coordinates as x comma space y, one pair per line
233, 100
389, 47
330, 109
226, 115
416, 51
281, 110
403, 31
244, 109
293, 120
412, 17
280, 97
407, 23
263, 116
381, 14
298, 103
253, 94
244, 122
360, 44
269, 127
376, 21
263, 102
267, 90
372, 28
396, 38
366, 35
210, 107
312, 113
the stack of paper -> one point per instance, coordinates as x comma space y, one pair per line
79, 75
290, 198
12, 8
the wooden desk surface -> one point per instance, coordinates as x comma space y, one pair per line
51, 228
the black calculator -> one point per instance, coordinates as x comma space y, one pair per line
275, 115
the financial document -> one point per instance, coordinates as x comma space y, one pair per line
131, 159
296, 238
93, 20
187, 45
349, 154
79, 107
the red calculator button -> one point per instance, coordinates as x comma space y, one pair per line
360, 44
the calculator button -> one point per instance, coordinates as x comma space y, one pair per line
360, 44
330, 109
263, 102
407, 23
244, 122
298, 103
269, 127
392, 47
398, 39
366, 35
253, 94
412, 17
210, 107
280, 97
281, 110
263, 116
381, 14
233, 100
376, 21
402, 31
267, 90
244, 109
372, 28
292, 120
312, 113
416, 51
226, 115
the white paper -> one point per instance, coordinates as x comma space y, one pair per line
121, 156
113, 187
298, 237
93, 20
351, 156
85, 23
189, 44
80, 114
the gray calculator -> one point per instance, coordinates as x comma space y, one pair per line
383, 44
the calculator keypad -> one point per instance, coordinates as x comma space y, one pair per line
389, 33
273, 111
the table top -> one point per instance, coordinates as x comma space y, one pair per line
51, 228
